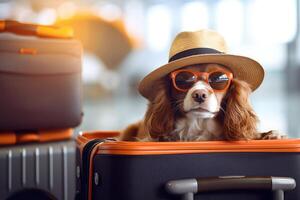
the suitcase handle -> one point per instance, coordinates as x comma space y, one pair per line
189, 187
37, 30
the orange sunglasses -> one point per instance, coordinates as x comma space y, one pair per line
184, 79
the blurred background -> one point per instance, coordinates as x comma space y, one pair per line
124, 40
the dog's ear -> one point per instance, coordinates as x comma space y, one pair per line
159, 118
239, 118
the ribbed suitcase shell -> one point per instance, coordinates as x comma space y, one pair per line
49, 167
140, 170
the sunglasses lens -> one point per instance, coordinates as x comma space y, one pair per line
185, 80
218, 80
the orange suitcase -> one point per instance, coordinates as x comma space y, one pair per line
12, 138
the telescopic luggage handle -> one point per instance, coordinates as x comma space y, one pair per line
188, 187
36, 30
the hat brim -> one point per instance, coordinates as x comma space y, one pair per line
243, 68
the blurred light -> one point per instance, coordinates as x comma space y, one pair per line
158, 27
66, 10
230, 21
94, 71
109, 12
134, 20
46, 16
273, 21
5, 10
91, 68
194, 16
271, 119
23, 13
271, 56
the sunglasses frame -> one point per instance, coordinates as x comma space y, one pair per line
204, 76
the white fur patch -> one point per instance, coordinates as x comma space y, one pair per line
193, 129
210, 104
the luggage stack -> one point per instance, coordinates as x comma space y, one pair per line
40, 104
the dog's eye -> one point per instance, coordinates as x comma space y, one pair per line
185, 80
218, 80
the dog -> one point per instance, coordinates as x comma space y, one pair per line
201, 94
215, 107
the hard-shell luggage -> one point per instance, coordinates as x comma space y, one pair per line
37, 165
40, 77
213, 170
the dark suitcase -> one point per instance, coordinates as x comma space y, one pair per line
40, 75
218, 170
44, 170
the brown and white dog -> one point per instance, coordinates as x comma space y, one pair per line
193, 98
199, 112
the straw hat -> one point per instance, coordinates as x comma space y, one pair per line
204, 46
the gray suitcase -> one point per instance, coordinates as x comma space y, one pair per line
42, 170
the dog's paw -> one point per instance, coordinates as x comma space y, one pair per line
273, 135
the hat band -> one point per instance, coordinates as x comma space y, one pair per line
192, 52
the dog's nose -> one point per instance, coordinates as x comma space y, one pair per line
200, 95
